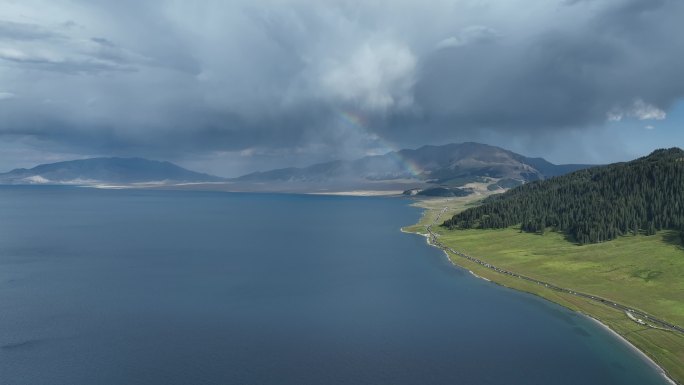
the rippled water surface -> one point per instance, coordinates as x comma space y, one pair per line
163, 287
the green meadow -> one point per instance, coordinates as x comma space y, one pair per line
643, 272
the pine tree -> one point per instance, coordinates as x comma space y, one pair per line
592, 205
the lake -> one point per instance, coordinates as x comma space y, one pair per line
178, 287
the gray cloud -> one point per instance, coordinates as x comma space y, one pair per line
283, 79
25, 31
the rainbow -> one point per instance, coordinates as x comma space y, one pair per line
357, 123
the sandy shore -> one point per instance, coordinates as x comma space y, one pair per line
359, 193
227, 188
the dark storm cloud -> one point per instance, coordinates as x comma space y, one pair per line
172, 78
622, 59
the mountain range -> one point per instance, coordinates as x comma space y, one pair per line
448, 165
105, 170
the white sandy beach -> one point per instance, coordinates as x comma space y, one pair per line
359, 193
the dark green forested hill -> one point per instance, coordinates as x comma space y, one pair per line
592, 205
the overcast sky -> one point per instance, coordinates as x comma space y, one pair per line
234, 86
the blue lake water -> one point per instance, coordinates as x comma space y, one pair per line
164, 287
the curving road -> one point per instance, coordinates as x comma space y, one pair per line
638, 316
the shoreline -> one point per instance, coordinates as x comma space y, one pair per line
638, 351
359, 193
645, 357
446, 254
202, 187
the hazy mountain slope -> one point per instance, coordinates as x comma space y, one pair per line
446, 164
549, 169
105, 170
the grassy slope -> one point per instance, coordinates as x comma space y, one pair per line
644, 272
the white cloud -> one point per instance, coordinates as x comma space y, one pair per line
469, 35
375, 75
649, 127
451, 41
644, 111
614, 116
9, 53
638, 110
6, 95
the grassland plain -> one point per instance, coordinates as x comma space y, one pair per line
644, 272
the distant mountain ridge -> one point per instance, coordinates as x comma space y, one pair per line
450, 164
105, 170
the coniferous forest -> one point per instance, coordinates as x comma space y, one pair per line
592, 205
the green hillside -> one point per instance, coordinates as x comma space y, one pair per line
642, 272
592, 205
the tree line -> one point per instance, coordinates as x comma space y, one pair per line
592, 205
